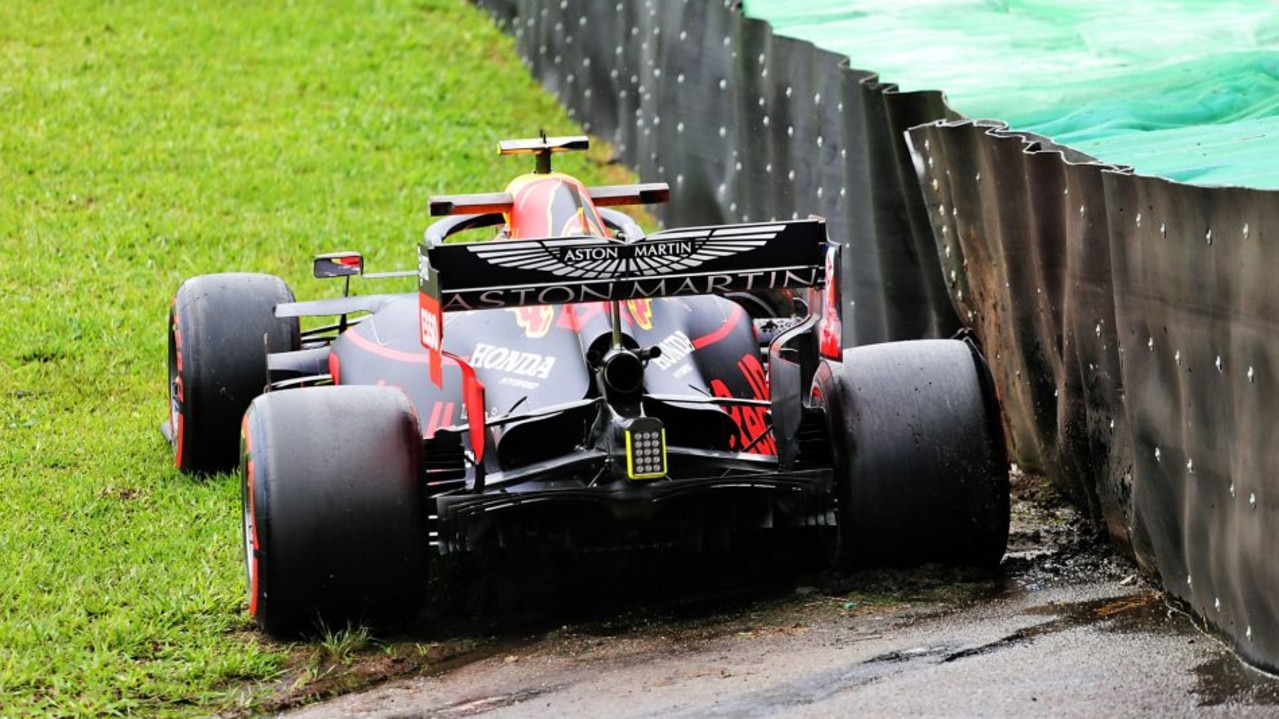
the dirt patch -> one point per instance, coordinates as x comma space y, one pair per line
661, 605
1050, 542
353, 662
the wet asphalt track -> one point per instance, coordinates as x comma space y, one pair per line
1049, 637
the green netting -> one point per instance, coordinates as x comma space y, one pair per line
1184, 89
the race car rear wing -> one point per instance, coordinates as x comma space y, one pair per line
753, 257
689, 261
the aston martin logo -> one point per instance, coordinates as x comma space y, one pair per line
675, 263
594, 258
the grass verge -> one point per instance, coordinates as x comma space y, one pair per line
144, 142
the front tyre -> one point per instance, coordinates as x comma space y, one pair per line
220, 330
334, 510
920, 462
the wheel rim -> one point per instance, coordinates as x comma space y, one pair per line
176, 425
251, 562
249, 522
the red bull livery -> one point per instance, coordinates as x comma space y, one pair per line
571, 382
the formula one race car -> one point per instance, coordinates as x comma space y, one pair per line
572, 382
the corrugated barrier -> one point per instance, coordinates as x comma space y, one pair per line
1130, 321
748, 126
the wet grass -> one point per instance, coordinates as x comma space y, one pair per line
145, 142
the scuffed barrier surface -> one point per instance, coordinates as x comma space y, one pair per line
1197, 302
1022, 236
748, 126
1133, 356
1134, 325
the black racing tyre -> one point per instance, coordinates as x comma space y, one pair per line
217, 362
334, 510
921, 468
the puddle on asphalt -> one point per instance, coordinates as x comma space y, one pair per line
1226, 681
608, 598
1144, 611
1223, 680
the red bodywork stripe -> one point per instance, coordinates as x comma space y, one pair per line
472, 388
392, 354
181, 430
473, 400
441, 416
724, 330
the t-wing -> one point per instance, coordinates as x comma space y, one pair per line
646, 193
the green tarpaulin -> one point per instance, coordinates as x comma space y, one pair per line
1182, 89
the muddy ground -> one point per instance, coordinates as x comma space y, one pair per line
1064, 628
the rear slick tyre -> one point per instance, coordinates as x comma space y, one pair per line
334, 510
921, 467
220, 330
